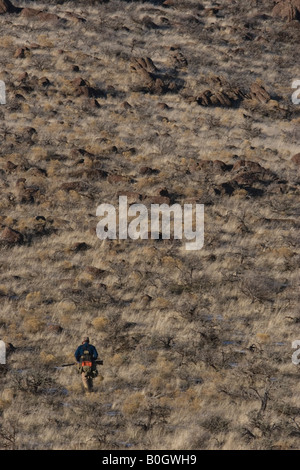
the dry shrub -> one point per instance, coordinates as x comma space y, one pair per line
189, 400
100, 323
216, 424
47, 359
133, 403
263, 337
33, 325
3, 290
67, 306
33, 299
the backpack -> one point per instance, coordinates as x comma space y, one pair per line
87, 364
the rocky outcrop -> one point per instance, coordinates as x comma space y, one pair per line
259, 93
25, 194
32, 13
7, 7
81, 87
10, 237
220, 98
74, 186
296, 159
287, 9
223, 94
146, 78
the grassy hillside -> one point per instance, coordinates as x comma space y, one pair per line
182, 102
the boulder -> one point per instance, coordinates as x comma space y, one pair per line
81, 87
21, 52
211, 166
79, 246
25, 194
288, 10
146, 78
259, 93
7, 7
222, 98
32, 13
248, 173
296, 159
94, 272
57, 329
10, 237
118, 179
74, 186
146, 170
10, 166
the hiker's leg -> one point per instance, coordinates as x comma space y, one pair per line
85, 381
90, 384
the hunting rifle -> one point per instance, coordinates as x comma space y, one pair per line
99, 362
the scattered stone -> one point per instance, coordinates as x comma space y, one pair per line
178, 59
143, 63
221, 98
76, 153
211, 166
94, 103
157, 199
81, 87
25, 194
132, 197
9, 348
147, 21
126, 105
225, 189
10, 237
163, 106
74, 18
117, 179
296, 159
22, 77
95, 272
7, 7
287, 9
129, 152
211, 11
169, 3
10, 166
28, 134
79, 82
221, 93
44, 82
146, 170
21, 52
147, 79
36, 171
32, 13
34, 45
57, 329
247, 165
259, 93
249, 173
79, 246
74, 186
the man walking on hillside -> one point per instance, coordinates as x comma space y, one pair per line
86, 355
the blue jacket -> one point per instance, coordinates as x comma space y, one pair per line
83, 347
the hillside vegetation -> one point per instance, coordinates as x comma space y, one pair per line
175, 102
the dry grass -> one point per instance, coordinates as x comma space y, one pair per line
196, 345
